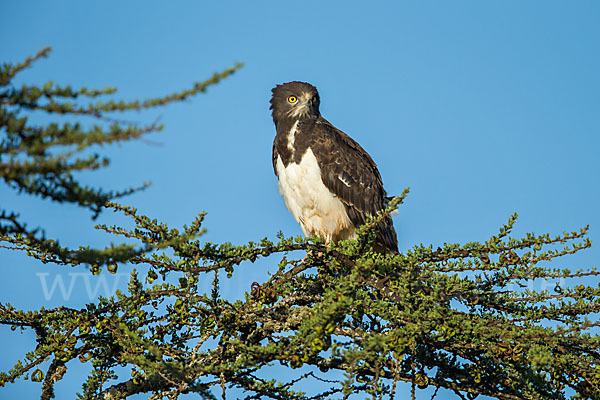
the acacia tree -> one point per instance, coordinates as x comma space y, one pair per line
447, 317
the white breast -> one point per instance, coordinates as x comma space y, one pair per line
317, 210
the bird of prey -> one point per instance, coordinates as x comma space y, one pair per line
328, 181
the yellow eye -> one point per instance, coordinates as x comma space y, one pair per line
292, 99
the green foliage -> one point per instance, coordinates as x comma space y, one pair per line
41, 159
459, 317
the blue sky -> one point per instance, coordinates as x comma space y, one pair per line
482, 108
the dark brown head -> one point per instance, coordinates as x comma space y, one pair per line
294, 100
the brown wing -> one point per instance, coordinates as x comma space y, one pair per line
349, 172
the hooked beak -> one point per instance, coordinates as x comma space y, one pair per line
306, 106
309, 102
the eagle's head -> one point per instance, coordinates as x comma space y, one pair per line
294, 100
